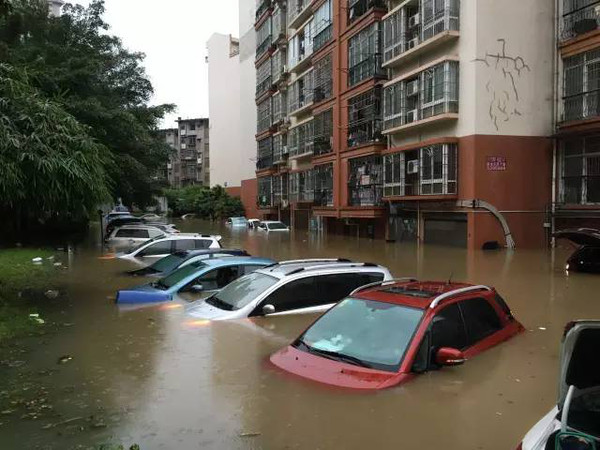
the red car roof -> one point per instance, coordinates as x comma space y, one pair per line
416, 294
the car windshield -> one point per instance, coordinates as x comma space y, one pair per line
276, 226
169, 263
242, 291
180, 274
363, 332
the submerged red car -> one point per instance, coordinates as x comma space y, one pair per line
385, 333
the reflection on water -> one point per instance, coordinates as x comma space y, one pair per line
155, 377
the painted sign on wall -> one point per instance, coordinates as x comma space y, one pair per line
496, 163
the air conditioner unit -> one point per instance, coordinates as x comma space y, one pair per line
413, 21
411, 116
183, 146
285, 150
412, 43
285, 203
284, 70
199, 160
183, 132
412, 88
412, 167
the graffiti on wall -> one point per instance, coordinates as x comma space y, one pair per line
507, 72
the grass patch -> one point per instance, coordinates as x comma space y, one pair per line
20, 279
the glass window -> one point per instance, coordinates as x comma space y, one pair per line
185, 244
480, 318
217, 278
251, 268
158, 248
202, 243
133, 233
296, 294
448, 330
181, 274
366, 332
364, 55
242, 291
335, 287
364, 118
169, 263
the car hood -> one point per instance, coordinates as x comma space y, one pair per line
202, 310
143, 294
579, 364
580, 236
332, 372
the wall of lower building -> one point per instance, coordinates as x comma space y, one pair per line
248, 194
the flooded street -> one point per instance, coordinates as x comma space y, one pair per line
155, 378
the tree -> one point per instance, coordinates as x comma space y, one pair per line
74, 61
207, 203
49, 163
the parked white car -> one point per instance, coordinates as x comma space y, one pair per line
128, 236
289, 287
575, 419
253, 223
272, 225
148, 252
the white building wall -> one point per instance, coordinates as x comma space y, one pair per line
505, 50
247, 105
223, 107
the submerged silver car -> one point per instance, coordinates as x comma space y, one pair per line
289, 287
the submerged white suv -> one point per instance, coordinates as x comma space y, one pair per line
289, 287
575, 419
162, 246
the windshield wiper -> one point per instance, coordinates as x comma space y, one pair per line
216, 301
335, 356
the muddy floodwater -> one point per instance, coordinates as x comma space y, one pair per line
154, 378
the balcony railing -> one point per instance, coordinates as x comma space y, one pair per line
295, 8
322, 145
370, 67
263, 47
262, 7
365, 195
582, 106
264, 86
579, 20
358, 8
264, 162
322, 38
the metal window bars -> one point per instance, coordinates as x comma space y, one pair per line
364, 118
364, 55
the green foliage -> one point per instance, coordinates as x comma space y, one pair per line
206, 203
49, 164
72, 62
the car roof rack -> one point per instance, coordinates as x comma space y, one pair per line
311, 260
381, 283
341, 264
436, 301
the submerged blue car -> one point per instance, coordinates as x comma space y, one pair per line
196, 278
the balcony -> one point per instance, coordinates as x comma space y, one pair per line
264, 162
323, 133
298, 11
279, 26
323, 185
265, 193
578, 20
302, 188
301, 94
427, 171
365, 181
300, 140
322, 38
428, 96
408, 31
367, 68
364, 118
358, 8
262, 7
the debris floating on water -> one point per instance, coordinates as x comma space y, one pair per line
51, 293
64, 359
37, 318
250, 434
38, 259
542, 328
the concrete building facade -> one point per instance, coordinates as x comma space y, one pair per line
190, 160
576, 191
418, 119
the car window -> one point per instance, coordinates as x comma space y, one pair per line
202, 243
251, 268
448, 329
154, 233
124, 233
296, 294
242, 291
185, 244
333, 288
181, 274
217, 278
158, 248
481, 319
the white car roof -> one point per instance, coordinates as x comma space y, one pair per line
271, 221
287, 269
137, 227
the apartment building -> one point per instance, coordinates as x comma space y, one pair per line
409, 119
190, 161
577, 156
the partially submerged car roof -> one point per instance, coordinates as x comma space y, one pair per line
580, 236
286, 268
579, 361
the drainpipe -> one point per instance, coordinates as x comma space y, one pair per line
555, 122
482, 204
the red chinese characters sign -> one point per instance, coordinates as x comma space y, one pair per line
496, 163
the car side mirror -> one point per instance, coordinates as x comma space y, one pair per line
447, 356
268, 309
574, 441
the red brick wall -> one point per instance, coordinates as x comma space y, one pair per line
248, 194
